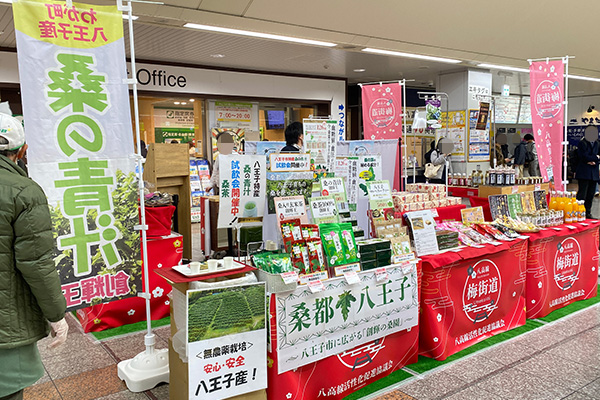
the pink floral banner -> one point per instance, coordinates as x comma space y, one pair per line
382, 111
547, 116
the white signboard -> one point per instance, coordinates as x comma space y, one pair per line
423, 227
242, 193
289, 162
320, 139
347, 169
235, 115
324, 210
290, 207
227, 341
314, 326
173, 118
335, 187
369, 169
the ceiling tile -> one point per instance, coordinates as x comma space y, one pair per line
233, 7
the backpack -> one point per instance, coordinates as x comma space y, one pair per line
529, 156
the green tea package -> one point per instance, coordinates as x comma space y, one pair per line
315, 255
290, 232
261, 260
280, 263
332, 244
300, 258
348, 243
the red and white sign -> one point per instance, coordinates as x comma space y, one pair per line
547, 115
471, 296
562, 267
382, 111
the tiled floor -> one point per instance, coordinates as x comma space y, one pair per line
558, 361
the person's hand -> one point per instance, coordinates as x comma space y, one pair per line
59, 332
591, 163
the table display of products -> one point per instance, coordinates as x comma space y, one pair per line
562, 267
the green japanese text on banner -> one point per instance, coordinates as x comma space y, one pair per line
78, 127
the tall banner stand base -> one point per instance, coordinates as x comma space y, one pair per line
145, 371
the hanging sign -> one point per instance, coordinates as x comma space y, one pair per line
335, 187
547, 114
226, 341
234, 115
289, 162
320, 139
479, 140
243, 180
369, 169
382, 111
482, 119
380, 195
72, 69
324, 210
455, 121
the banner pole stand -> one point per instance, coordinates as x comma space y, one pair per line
151, 367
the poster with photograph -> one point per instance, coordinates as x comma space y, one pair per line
227, 341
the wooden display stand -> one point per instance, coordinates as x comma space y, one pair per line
485, 191
168, 169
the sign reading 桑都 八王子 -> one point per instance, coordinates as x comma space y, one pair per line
314, 326
78, 127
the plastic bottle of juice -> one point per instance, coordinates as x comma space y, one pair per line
568, 207
560, 203
581, 211
552, 204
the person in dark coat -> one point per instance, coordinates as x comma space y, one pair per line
428, 154
587, 172
294, 137
519, 157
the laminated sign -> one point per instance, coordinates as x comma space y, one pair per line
243, 180
78, 126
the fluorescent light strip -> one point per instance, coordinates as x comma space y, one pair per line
126, 16
503, 67
258, 35
507, 68
409, 55
6, 1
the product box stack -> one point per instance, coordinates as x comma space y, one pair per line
421, 196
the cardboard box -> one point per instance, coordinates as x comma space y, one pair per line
178, 370
485, 191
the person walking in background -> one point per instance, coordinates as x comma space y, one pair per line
531, 157
519, 157
439, 158
30, 290
587, 171
294, 138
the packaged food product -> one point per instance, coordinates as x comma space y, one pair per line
290, 232
332, 244
310, 231
348, 242
300, 258
280, 263
315, 255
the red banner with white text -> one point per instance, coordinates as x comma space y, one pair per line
562, 267
547, 116
382, 111
475, 296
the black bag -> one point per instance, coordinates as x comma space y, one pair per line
573, 158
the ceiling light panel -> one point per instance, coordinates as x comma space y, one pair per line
410, 55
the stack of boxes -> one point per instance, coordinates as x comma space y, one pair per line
374, 253
421, 196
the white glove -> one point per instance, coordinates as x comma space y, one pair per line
59, 333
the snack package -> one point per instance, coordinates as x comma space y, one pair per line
316, 257
310, 231
290, 232
280, 263
261, 260
348, 243
332, 244
300, 256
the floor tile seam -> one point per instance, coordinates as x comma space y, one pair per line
110, 352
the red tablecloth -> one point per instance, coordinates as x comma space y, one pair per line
162, 252
471, 295
562, 267
173, 276
336, 377
462, 191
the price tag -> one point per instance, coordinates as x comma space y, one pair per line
456, 250
522, 237
316, 286
478, 246
381, 274
538, 186
351, 277
571, 227
496, 243
315, 276
407, 268
343, 269
289, 277
515, 189
557, 229
583, 224
434, 212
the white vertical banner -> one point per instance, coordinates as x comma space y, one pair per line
78, 127
243, 181
320, 140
